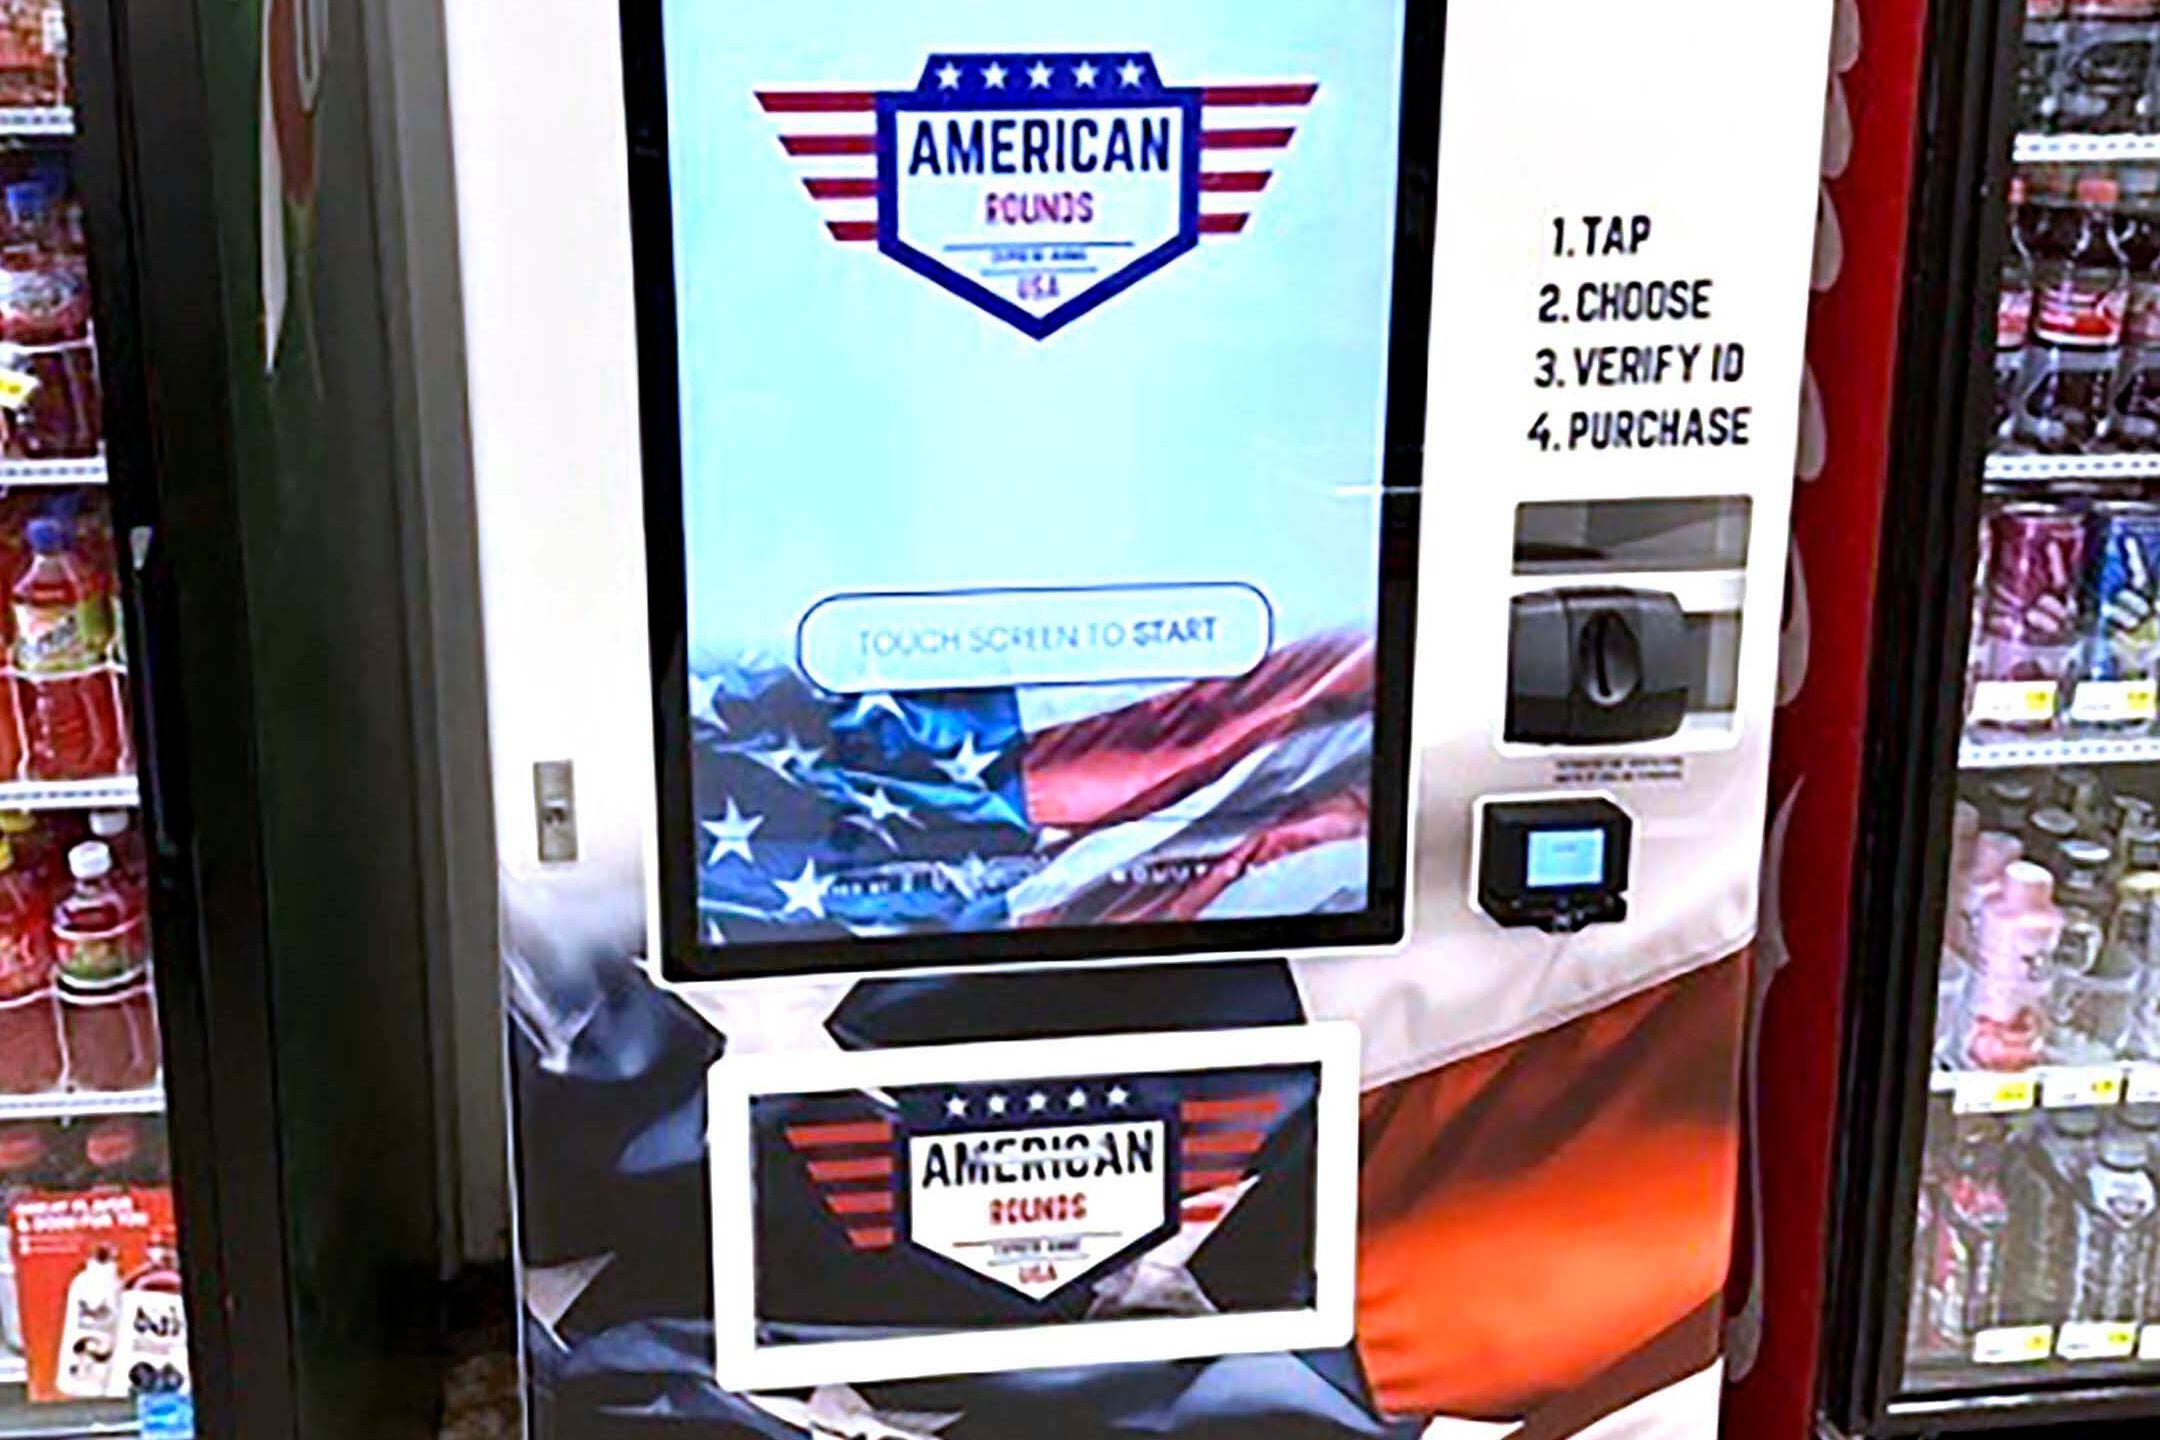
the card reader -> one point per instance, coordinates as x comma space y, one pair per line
1557, 864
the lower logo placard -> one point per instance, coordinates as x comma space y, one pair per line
954, 1209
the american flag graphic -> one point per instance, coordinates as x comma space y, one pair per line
831, 134
822, 815
833, 1201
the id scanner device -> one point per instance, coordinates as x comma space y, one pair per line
1558, 864
1596, 666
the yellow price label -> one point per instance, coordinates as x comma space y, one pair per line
1982, 1093
2014, 1345
2014, 701
2097, 1340
16, 388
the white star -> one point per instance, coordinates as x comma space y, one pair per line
1160, 1281
1077, 1100
948, 78
1118, 1095
882, 807
839, 1412
1084, 75
704, 695
806, 891
876, 702
967, 767
731, 835
997, 1104
967, 877
1129, 73
994, 75
784, 757
1039, 76
956, 1107
1038, 1101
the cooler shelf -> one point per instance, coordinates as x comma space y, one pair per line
2081, 750
2072, 467
53, 120
89, 470
62, 1104
2045, 149
2050, 1087
105, 792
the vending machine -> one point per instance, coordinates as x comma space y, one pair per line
1130, 660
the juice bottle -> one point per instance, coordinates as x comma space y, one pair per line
70, 721
30, 1058
98, 929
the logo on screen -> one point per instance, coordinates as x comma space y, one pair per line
1038, 187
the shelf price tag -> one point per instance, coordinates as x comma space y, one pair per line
2014, 702
2149, 1344
2097, 1340
1982, 1092
2082, 1088
2106, 702
2014, 1345
2144, 1085
16, 388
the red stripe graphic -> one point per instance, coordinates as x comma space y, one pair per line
1234, 182
1201, 1214
1227, 1142
863, 1132
1222, 224
1268, 139
861, 1202
1258, 94
1211, 1179
849, 189
824, 102
852, 229
829, 1170
880, 1239
1232, 1108
843, 144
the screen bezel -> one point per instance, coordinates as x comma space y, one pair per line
684, 955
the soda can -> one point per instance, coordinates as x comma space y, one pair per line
2122, 600
2035, 570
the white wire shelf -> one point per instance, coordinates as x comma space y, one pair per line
73, 1104
86, 470
2046, 149
2059, 750
2032, 468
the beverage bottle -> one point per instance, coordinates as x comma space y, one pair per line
2038, 64
111, 1155
2081, 290
2118, 1202
1965, 1270
2099, 974
153, 1324
30, 1054
90, 1332
99, 930
2010, 803
2133, 422
2013, 322
2041, 1177
2105, 66
2006, 1001
2045, 833
70, 724
131, 862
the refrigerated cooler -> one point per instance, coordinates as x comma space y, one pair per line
1130, 661
1998, 1228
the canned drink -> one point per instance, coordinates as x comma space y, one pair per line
2030, 616
2122, 606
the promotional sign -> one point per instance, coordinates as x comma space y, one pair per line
950, 1209
1073, 632
97, 1279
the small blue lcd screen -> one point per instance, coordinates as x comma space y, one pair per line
1566, 858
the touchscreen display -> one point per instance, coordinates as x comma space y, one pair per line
1030, 483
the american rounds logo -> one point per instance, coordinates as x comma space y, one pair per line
1037, 187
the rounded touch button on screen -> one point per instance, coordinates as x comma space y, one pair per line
979, 639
